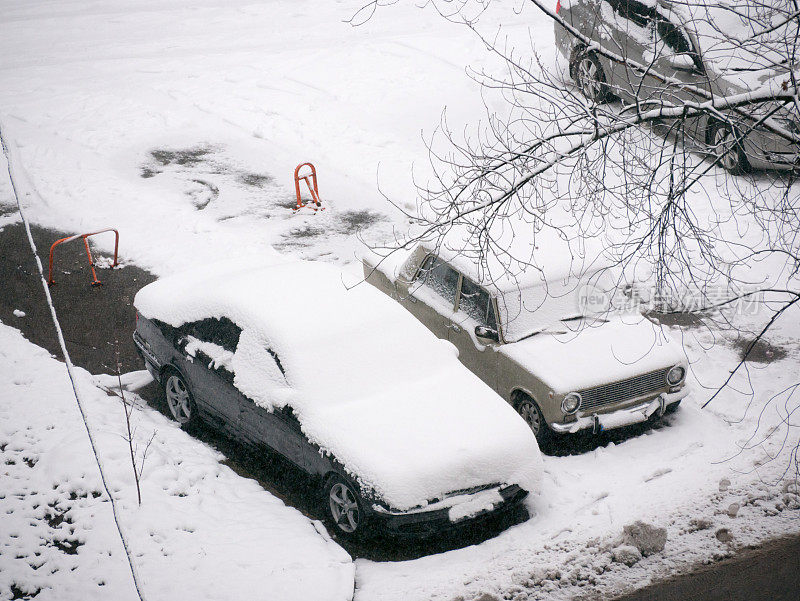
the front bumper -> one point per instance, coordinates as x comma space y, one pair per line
776, 161
428, 522
623, 417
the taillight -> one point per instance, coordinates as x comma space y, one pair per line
558, 6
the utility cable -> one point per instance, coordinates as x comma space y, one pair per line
136, 581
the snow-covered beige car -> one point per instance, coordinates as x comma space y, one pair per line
344, 384
705, 49
560, 368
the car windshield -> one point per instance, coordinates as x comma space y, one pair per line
553, 305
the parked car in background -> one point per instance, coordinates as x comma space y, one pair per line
684, 47
561, 368
344, 384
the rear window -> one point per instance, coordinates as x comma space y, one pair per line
222, 332
672, 36
638, 12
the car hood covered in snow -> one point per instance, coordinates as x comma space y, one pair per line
368, 382
596, 353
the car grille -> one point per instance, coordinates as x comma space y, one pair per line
624, 390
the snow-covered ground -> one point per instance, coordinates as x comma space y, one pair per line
202, 532
180, 123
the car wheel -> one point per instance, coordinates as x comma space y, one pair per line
726, 146
590, 77
179, 399
530, 412
673, 407
343, 507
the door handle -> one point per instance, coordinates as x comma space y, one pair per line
456, 327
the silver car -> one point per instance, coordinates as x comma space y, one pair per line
695, 44
561, 368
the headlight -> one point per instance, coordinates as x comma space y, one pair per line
782, 113
571, 403
676, 375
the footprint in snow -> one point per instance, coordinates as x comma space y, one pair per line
658, 473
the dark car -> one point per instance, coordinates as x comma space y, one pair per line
675, 50
350, 388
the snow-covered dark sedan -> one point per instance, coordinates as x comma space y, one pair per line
346, 385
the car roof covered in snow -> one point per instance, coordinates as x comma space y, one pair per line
538, 280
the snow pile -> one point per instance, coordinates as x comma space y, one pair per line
368, 382
202, 532
645, 538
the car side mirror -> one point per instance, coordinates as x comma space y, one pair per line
682, 62
486, 335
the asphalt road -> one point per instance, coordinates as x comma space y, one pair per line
98, 323
768, 573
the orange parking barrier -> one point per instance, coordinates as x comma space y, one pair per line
311, 182
96, 282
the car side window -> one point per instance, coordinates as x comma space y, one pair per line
222, 332
477, 303
632, 10
672, 36
439, 277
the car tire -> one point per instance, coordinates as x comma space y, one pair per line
344, 508
673, 407
725, 144
180, 400
589, 76
530, 412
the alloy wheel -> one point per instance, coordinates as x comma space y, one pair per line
344, 507
531, 416
725, 148
588, 78
178, 399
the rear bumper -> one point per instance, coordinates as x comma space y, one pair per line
765, 150
150, 361
564, 40
623, 417
422, 523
